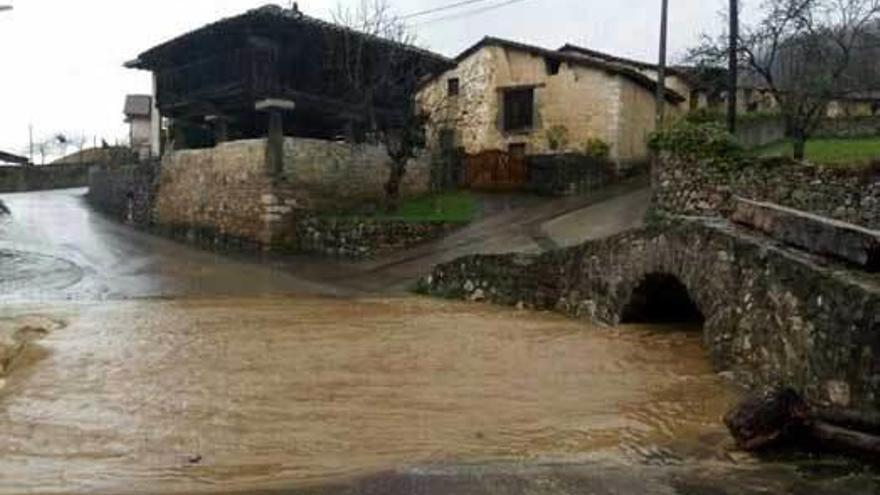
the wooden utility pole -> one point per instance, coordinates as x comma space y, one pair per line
661, 66
31, 142
733, 66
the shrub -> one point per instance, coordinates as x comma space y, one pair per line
702, 141
704, 116
557, 137
597, 148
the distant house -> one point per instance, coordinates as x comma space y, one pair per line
139, 117
11, 159
523, 99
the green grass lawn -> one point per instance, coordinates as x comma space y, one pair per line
453, 207
857, 151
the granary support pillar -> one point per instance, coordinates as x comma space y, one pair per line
275, 108
220, 124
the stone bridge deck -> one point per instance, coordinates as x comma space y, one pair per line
770, 313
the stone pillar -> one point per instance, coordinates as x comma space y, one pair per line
155, 123
179, 136
275, 109
220, 125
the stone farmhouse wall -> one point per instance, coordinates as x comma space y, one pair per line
590, 103
691, 187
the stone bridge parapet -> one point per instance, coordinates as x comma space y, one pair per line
770, 314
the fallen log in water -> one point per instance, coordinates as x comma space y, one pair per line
770, 418
779, 416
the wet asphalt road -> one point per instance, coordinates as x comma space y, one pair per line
53, 246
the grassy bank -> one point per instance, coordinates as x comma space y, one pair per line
452, 207
842, 152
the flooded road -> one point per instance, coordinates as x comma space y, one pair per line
145, 366
194, 395
53, 247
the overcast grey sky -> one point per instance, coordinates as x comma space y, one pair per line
62, 60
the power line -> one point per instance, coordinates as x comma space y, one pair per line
471, 12
442, 8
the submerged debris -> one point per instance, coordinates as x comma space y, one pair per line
15, 336
779, 417
3, 209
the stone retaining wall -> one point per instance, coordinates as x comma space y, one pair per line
691, 187
37, 178
355, 238
568, 174
222, 192
759, 132
338, 176
126, 192
225, 197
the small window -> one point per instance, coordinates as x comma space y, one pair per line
552, 65
519, 106
453, 86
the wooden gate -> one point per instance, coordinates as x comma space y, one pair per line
495, 170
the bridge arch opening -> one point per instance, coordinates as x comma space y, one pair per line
662, 298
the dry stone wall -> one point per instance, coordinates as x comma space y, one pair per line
688, 186
37, 178
225, 197
126, 192
224, 192
334, 176
360, 238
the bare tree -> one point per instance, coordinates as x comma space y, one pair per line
376, 78
807, 54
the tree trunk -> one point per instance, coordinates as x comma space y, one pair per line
799, 144
392, 187
837, 438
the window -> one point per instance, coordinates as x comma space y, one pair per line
453, 86
552, 66
519, 106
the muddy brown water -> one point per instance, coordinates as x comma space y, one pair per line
219, 394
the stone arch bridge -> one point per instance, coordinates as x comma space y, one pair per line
771, 313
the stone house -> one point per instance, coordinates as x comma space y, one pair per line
526, 100
139, 114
